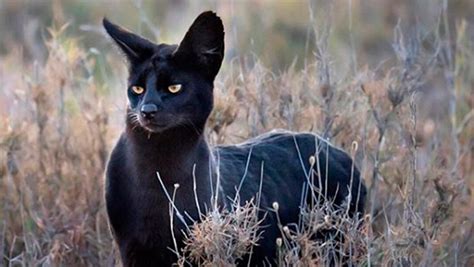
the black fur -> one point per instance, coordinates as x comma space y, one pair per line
172, 142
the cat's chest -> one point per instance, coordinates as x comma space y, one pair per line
148, 238
150, 217
152, 210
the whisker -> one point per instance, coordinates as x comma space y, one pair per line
192, 125
133, 119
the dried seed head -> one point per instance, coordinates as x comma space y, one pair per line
279, 242
312, 160
286, 230
176, 186
326, 90
355, 146
275, 206
395, 96
428, 128
327, 219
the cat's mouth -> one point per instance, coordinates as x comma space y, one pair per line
153, 126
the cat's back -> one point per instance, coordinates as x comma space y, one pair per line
284, 161
279, 146
275, 161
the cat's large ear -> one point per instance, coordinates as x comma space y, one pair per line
135, 48
203, 44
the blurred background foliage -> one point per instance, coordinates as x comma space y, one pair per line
279, 32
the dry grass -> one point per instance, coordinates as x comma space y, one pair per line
222, 238
412, 120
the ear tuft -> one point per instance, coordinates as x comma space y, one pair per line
135, 47
204, 43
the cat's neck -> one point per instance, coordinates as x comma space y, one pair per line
172, 153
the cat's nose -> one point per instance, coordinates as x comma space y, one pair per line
148, 111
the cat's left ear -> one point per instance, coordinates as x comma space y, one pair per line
203, 44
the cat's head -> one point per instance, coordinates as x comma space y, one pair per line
171, 86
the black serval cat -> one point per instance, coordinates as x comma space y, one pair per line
170, 93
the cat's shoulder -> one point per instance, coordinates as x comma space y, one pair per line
117, 157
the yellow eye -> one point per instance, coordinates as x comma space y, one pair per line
138, 90
174, 88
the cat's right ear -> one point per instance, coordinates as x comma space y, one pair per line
135, 47
203, 44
